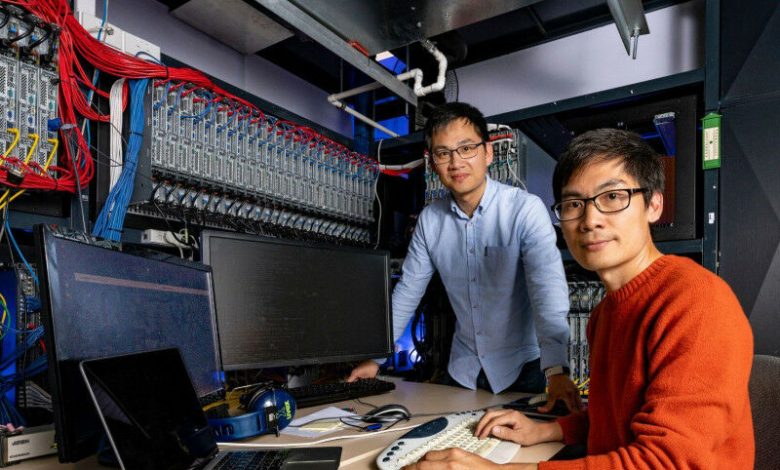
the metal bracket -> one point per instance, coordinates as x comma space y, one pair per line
305, 23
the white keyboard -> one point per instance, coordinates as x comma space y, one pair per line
455, 430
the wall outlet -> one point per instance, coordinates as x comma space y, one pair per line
118, 38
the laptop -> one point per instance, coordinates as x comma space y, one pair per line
153, 419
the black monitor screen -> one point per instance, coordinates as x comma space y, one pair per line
100, 302
285, 303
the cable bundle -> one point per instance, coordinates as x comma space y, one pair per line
77, 43
112, 217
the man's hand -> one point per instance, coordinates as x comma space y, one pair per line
560, 387
364, 370
512, 425
459, 459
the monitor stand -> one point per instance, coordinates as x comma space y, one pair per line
105, 454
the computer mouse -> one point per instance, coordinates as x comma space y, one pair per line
530, 405
538, 400
387, 414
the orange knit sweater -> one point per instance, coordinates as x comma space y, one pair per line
670, 357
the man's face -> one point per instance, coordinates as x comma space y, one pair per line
461, 177
616, 244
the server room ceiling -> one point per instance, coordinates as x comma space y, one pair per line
469, 30
383, 25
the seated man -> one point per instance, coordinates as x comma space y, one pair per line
670, 347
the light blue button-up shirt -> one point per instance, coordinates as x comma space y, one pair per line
504, 278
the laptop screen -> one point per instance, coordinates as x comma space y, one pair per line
150, 410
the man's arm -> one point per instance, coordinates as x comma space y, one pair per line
508, 425
459, 459
512, 425
549, 295
416, 272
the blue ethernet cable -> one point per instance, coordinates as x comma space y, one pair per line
111, 218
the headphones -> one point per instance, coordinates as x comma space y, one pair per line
268, 410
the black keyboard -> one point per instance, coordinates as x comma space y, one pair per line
248, 460
318, 394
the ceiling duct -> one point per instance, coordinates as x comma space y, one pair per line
234, 23
356, 30
382, 25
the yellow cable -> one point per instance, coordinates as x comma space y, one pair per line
5, 313
55, 145
36, 138
8, 151
17, 135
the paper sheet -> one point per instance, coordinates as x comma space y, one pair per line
317, 424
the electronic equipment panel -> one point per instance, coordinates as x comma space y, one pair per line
670, 127
99, 302
283, 303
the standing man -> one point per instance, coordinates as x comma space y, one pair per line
494, 247
670, 347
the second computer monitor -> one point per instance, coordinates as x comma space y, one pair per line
99, 302
282, 303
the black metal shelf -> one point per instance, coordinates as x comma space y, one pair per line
614, 95
649, 87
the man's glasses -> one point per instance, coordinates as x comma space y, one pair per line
614, 200
465, 152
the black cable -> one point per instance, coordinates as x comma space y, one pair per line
23, 35
40, 41
364, 403
154, 59
369, 428
73, 153
7, 17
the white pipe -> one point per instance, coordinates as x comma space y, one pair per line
440, 79
363, 118
355, 91
419, 90
405, 166
414, 73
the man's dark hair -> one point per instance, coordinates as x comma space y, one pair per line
599, 145
443, 115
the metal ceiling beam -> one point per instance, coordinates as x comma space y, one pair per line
630, 20
302, 21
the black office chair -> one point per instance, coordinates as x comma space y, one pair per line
765, 403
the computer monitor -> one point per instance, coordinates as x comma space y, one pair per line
100, 302
282, 303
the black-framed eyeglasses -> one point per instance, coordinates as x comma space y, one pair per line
614, 200
465, 152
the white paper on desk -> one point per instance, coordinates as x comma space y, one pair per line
320, 428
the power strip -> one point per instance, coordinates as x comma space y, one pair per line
161, 238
